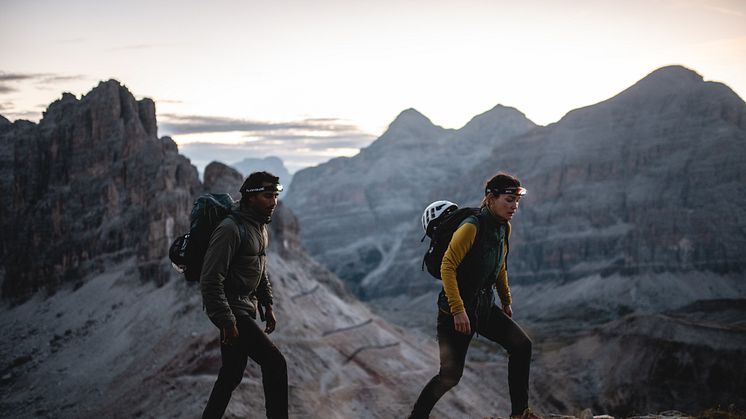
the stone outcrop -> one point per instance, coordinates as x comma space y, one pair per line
690, 358
89, 185
220, 178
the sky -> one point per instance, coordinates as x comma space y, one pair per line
311, 80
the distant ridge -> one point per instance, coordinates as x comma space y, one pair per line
613, 171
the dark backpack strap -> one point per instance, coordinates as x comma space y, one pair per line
507, 247
478, 216
242, 232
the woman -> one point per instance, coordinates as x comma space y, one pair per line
473, 266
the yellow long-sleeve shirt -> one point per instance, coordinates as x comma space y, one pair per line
462, 240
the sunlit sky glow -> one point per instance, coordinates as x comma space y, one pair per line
310, 80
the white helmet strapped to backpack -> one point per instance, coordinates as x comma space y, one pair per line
435, 210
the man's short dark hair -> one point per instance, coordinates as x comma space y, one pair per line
257, 180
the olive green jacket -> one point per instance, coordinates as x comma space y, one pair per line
234, 279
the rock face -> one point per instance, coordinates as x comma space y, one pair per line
220, 178
648, 181
635, 207
360, 215
691, 358
88, 186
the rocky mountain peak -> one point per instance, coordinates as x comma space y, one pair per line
221, 178
98, 156
667, 92
108, 103
4, 121
411, 116
498, 118
664, 81
409, 123
673, 75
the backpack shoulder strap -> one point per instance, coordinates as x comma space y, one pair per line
478, 216
242, 232
507, 243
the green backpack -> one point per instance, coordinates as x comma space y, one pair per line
187, 252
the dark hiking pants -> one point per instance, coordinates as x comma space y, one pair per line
252, 343
496, 326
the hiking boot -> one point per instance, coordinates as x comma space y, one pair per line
527, 414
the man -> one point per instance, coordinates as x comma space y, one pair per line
233, 280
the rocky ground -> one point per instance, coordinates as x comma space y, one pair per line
118, 347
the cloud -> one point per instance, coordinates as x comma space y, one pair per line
343, 140
15, 76
185, 124
52, 79
37, 78
298, 143
191, 124
7, 89
201, 154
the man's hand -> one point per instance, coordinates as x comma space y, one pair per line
507, 310
230, 334
269, 319
461, 323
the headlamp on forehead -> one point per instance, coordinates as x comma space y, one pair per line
511, 190
267, 188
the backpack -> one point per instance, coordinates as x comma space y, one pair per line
440, 236
187, 252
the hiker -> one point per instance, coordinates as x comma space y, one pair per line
232, 286
474, 265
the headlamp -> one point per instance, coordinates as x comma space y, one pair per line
511, 190
268, 188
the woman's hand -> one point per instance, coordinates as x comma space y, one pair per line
461, 323
507, 310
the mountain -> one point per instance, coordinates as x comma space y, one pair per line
220, 178
270, 164
649, 181
88, 186
645, 184
634, 211
359, 214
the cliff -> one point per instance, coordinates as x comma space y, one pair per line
89, 186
